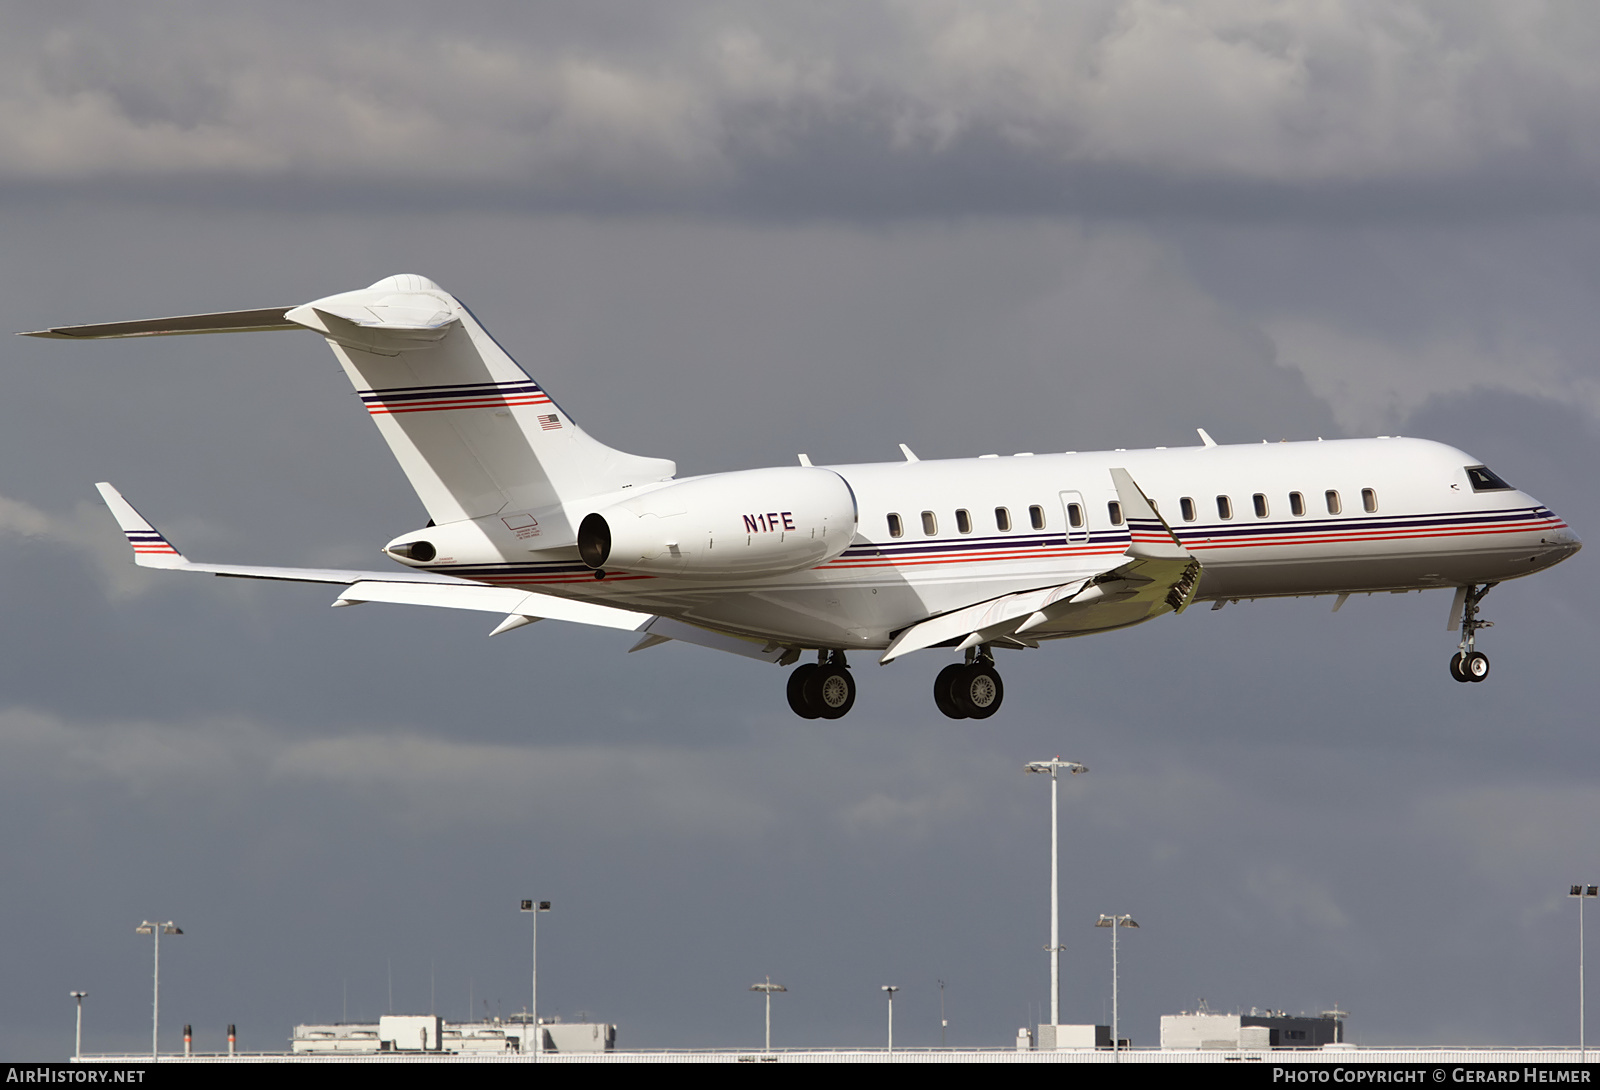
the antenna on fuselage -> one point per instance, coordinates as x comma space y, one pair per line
1205, 437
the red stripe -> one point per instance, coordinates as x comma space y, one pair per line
1344, 538
377, 408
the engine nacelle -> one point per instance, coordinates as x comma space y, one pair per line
754, 522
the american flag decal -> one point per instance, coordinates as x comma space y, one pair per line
549, 422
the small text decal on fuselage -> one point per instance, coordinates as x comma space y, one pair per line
772, 520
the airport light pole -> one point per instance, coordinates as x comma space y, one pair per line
533, 908
1581, 892
77, 1039
769, 987
1053, 766
157, 929
1114, 922
891, 989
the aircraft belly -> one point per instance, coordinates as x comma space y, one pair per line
813, 616
1263, 572
851, 608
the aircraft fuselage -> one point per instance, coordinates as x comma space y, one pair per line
1264, 520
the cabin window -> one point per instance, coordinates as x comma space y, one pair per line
1334, 506
1036, 516
1186, 505
1369, 500
1297, 504
1486, 480
1261, 505
1114, 509
896, 527
1074, 515
930, 523
1224, 507
1002, 519
963, 521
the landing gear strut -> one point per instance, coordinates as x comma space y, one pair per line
1468, 663
969, 690
823, 689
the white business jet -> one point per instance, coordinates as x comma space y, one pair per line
530, 518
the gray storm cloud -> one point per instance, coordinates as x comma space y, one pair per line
724, 99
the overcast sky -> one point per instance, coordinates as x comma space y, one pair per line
726, 234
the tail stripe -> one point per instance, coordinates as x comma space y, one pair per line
149, 542
472, 395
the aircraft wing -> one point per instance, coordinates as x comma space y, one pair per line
151, 549
1158, 573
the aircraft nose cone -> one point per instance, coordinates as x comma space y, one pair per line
1560, 544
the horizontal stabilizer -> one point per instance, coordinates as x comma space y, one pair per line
227, 321
388, 331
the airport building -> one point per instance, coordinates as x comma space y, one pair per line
430, 1033
1259, 1029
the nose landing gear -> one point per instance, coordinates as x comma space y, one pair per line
823, 689
969, 690
1468, 663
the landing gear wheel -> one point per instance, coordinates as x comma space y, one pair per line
977, 690
797, 690
944, 691
829, 690
1470, 664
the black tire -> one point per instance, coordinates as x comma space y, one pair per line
978, 691
1455, 667
797, 691
943, 691
831, 691
1475, 666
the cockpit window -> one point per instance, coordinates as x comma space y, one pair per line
1485, 480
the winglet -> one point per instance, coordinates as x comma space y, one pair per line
1205, 437
150, 548
1153, 539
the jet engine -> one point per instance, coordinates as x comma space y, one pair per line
755, 522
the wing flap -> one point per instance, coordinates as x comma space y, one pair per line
661, 629
507, 600
997, 617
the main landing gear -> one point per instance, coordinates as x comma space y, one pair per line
1469, 664
823, 689
971, 689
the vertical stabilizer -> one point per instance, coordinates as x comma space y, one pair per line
471, 430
